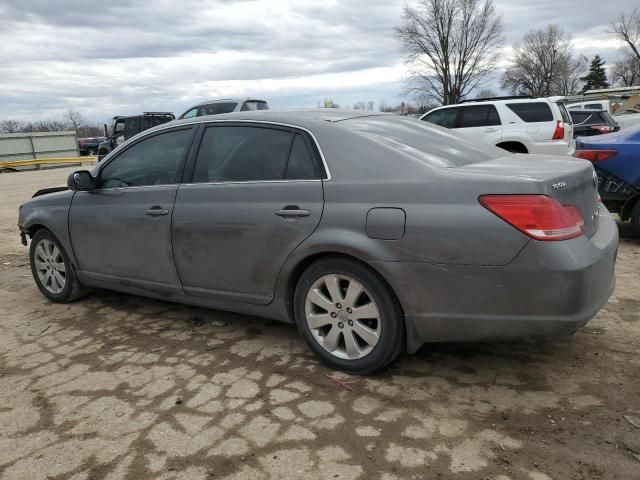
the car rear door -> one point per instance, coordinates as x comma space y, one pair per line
254, 194
121, 231
480, 123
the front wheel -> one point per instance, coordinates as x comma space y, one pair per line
348, 316
52, 270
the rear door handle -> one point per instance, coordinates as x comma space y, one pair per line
292, 211
156, 211
491, 130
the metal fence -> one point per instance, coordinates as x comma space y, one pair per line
21, 147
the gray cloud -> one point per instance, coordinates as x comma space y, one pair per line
127, 56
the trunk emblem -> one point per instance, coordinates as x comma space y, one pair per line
558, 185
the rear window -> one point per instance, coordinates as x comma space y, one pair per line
479, 116
424, 142
532, 112
216, 108
251, 105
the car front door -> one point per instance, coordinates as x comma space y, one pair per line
121, 231
255, 194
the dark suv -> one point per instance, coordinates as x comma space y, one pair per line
588, 122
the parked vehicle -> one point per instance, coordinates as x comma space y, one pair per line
124, 127
372, 232
516, 124
89, 146
616, 158
590, 105
587, 123
225, 105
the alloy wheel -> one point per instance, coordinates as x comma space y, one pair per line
342, 316
50, 266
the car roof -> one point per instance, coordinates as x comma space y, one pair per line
227, 100
503, 100
285, 116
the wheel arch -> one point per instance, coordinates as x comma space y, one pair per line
296, 269
627, 208
513, 145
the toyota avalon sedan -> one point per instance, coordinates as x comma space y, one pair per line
373, 233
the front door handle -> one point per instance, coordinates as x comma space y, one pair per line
156, 211
292, 211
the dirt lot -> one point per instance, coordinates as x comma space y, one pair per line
116, 387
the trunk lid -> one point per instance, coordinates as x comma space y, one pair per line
568, 180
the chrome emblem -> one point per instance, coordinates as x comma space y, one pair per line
558, 185
595, 179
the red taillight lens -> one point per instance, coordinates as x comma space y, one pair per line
538, 216
603, 128
559, 132
595, 155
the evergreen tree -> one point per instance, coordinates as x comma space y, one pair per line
597, 76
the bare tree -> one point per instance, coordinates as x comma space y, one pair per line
486, 93
450, 45
543, 64
627, 27
364, 105
570, 76
626, 72
11, 126
74, 118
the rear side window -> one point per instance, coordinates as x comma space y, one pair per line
301, 165
250, 153
446, 117
479, 116
579, 117
531, 112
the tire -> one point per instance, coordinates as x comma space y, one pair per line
635, 217
344, 339
46, 251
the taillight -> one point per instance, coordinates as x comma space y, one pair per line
538, 216
596, 155
603, 128
558, 134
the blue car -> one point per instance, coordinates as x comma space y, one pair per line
616, 158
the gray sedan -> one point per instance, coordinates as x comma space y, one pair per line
373, 233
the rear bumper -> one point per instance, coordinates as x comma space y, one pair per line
549, 289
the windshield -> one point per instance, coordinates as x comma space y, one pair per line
427, 142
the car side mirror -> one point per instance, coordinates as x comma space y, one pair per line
81, 181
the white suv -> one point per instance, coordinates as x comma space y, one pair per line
517, 124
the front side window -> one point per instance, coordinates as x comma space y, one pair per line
479, 116
445, 118
532, 112
190, 113
152, 161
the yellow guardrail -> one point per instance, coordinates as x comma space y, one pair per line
46, 161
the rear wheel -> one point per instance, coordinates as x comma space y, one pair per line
52, 270
635, 217
348, 316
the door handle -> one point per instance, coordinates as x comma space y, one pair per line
292, 211
491, 130
156, 211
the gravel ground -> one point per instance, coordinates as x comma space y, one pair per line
122, 387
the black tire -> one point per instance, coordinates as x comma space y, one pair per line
392, 338
72, 289
635, 217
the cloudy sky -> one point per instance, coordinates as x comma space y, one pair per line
118, 57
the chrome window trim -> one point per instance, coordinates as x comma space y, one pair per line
201, 120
